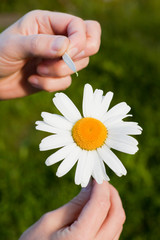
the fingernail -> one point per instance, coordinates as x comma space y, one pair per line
43, 70
58, 44
35, 83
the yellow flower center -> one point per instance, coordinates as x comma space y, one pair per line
89, 133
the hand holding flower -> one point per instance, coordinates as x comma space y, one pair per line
95, 214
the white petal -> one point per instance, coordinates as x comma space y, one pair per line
67, 59
56, 120
105, 176
88, 168
121, 146
115, 120
99, 173
119, 109
96, 104
111, 160
55, 141
42, 126
60, 154
87, 100
98, 96
129, 128
107, 100
69, 162
123, 138
66, 107
80, 167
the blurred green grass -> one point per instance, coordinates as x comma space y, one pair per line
128, 64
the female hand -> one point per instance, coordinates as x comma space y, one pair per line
95, 214
31, 50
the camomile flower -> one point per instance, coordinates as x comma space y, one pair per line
87, 140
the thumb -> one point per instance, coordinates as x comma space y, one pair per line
68, 213
42, 45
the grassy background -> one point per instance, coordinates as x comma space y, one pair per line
128, 64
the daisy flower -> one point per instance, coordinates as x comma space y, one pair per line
87, 140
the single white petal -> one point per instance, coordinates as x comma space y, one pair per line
88, 168
105, 176
101, 106
107, 100
69, 161
87, 100
98, 96
59, 154
119, 109
123, 138
121, 146
129, 128
66, 107
115, 120
99, 173
80, 167
111, 160
42, 126
55, 141
96, 104
67, 59
57, 121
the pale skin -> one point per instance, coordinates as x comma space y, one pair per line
30, 61
31, 51
95, 214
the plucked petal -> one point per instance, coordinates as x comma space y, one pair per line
55, 141
60, 154
69, 162
66, 107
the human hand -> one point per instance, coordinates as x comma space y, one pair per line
31, 50
96, 213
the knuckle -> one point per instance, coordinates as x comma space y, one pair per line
46, 221
97, 26
35, 12
34, 44
122, 216
46, 218
80, 21
94, 46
